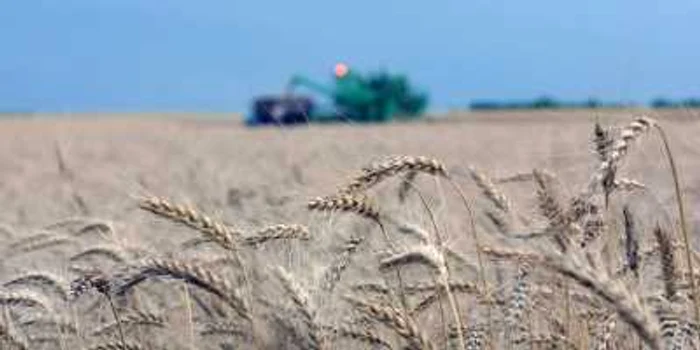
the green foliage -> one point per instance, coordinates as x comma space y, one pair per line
547, 102
543, 102
662, 102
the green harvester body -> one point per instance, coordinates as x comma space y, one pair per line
377, 97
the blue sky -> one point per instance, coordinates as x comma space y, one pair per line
215, 55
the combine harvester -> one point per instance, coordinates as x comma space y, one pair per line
376, 98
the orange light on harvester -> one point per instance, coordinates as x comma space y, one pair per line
341, 70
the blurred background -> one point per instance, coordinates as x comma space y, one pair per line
75, 56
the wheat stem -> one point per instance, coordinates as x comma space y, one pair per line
445, 277
681, 214
116, 319
477, 244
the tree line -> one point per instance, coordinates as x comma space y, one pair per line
546, 102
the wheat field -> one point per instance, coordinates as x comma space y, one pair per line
518, 230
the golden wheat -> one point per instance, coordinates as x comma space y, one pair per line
619, 286
392, 166
277, 232
395, 319
345, 203
213, 229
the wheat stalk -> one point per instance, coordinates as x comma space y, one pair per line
113, 253
36, 242
681, 215
478, 247
429, 255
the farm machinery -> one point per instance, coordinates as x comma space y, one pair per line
377, 97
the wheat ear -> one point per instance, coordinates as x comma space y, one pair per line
668, 262
397, 320
218, 232
363, 207
24, 298
302, 303
516, 308
277, 232
133, 317
221, 327
345, 203
552, 210
607, 170
392, 166
36, 242
191, 273
45, 280
363, 335
631, 242
117, 346
333, 273
213, 229
489, 190
602, 141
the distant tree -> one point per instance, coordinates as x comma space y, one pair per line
545, 102
661, 102
484, 105
691, 103
592, 102
548, 102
